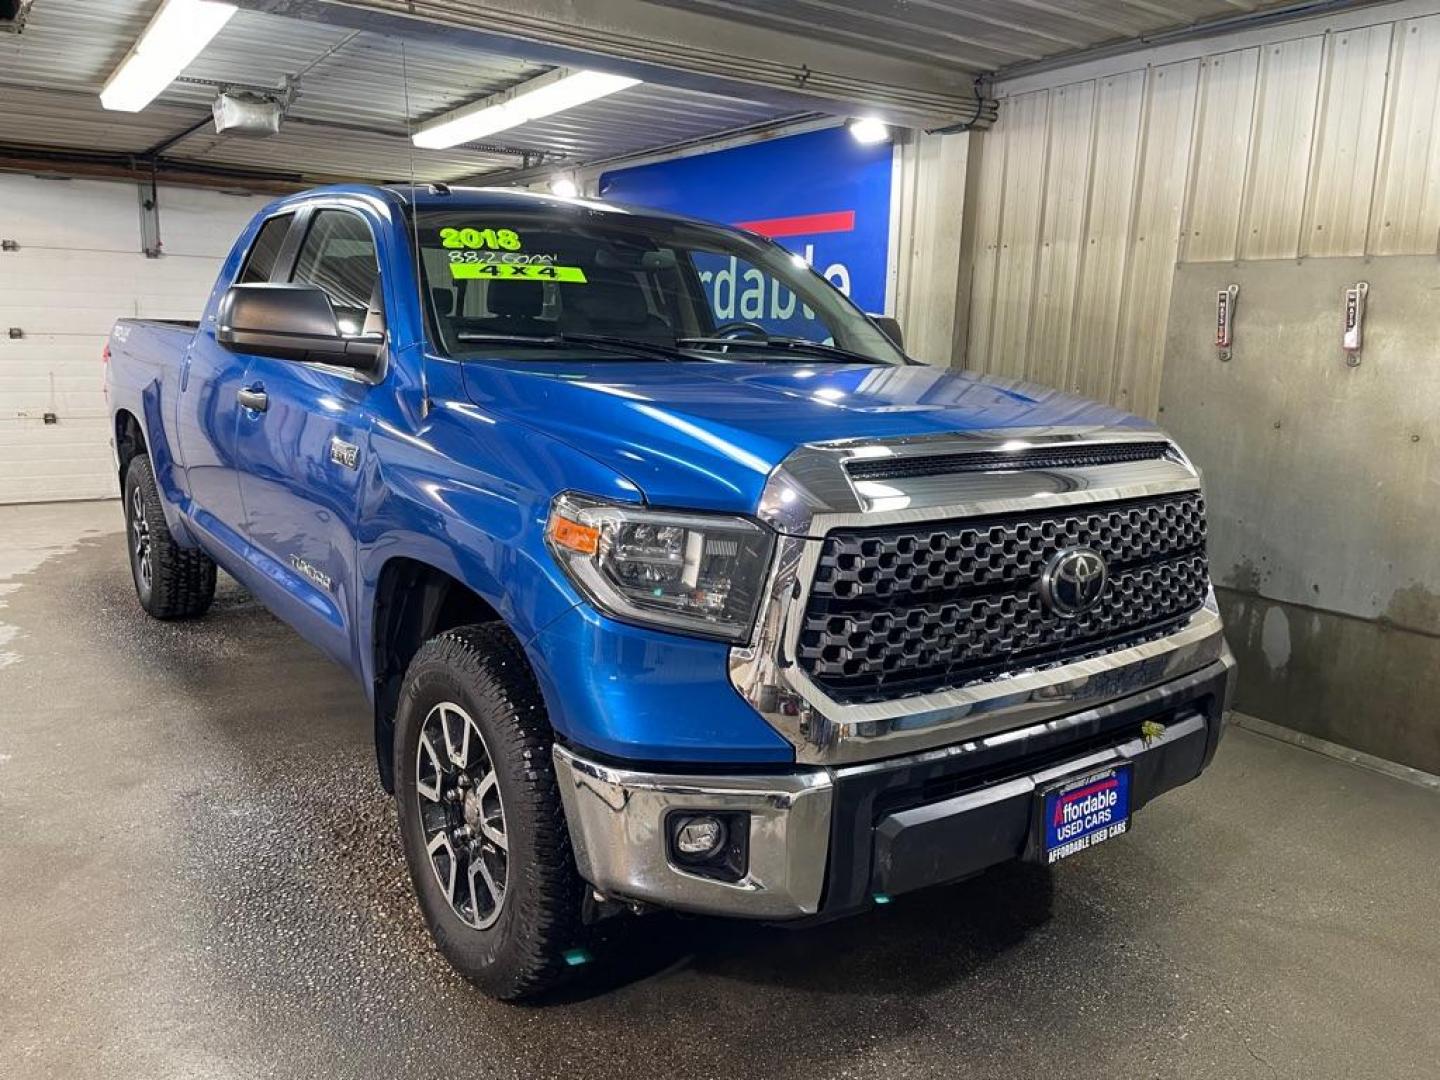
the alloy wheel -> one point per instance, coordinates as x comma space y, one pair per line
140, 537
461, 814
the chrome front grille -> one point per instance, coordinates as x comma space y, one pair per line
902, 611
1040, 457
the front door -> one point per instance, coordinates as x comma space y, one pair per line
302, 449
212, 380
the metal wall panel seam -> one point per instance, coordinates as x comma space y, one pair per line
1412, 121
1026, 148
1124, 326
1333, 196
1255, 120
1082, 255
1323, 79
990, 207
1387, 102
1062, 239
1027, 360
1112, 194
1218, 182
1163, 178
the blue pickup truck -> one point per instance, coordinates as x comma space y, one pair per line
674, 582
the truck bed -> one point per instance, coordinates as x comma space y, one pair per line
147, 343
144, 355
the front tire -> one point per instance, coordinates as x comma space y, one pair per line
480, 816
170, 581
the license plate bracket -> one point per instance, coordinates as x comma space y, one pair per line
1077, 813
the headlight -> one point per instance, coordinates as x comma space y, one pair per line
698, 573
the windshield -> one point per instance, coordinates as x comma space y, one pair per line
559, 280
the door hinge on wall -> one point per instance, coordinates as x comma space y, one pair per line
9, 245
1352, 337
1225, 319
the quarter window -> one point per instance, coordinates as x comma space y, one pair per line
338, 255
260, 262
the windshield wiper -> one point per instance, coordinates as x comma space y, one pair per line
510, 339
665, 352
833, 353
593, 341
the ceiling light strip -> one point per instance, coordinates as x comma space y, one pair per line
171, 40
549, 94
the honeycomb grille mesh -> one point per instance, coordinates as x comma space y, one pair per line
907, 611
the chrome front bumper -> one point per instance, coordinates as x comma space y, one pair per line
819, 842
617, 828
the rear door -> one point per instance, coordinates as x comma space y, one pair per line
303, 455
208, 409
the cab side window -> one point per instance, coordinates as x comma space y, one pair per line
338, 256
260, 261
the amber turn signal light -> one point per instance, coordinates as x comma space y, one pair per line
577, 537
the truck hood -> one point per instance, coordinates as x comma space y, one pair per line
706, 435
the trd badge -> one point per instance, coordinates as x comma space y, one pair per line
344, 453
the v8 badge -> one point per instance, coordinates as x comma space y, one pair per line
344, 453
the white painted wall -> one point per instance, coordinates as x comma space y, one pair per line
79, 267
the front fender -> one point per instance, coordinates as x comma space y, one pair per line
469, 495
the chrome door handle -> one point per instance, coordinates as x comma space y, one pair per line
255, 400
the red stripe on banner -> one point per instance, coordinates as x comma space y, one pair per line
802, 224
1084, 791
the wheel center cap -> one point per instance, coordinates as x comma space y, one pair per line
470, 807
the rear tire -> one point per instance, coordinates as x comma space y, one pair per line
480, 815
172, 582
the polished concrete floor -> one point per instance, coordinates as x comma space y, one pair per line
199, 877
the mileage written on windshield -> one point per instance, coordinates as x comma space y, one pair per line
496, 253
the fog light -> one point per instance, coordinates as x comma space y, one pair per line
699, 837
712, 844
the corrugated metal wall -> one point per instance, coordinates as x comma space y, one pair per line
1325, 144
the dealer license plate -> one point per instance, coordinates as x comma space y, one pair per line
1082, 811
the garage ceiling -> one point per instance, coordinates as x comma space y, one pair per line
348, 118
980, 36
710, 67
912, 62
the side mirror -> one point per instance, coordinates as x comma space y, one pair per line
292, 322
890, 328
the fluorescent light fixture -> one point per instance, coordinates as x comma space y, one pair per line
551, 93
173, 38
868, 130
564, 187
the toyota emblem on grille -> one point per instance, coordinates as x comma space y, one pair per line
1073, 581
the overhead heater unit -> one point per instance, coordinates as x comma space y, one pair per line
12, 15
243, 113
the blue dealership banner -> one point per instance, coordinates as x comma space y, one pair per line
822, 195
